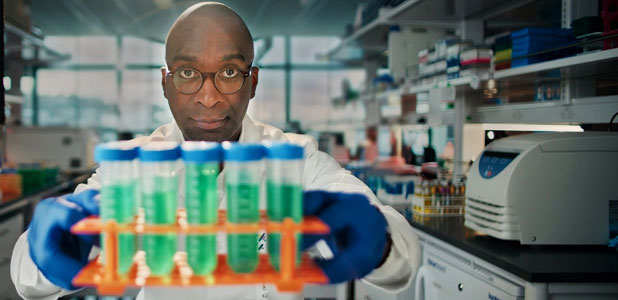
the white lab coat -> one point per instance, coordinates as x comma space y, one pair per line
320, 172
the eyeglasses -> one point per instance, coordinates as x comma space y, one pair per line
227, 80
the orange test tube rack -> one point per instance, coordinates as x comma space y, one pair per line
105, 278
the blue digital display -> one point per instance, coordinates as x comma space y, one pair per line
492, 163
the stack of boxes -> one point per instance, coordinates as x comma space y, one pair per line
453, 65
452, 58
528, 41
474, 61
503, 49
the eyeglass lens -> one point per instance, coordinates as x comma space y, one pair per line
227, 81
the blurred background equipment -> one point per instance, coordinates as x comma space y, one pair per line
546, 189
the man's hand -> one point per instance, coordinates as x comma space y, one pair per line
58, 254
358, 237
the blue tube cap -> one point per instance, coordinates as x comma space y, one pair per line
201, 152
283, 151
243, 152
114, 151
159, 151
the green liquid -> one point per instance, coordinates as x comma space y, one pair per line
118, 203
202, 208
283, 200
242, 253
242, 207
160, 209
202, 253
160, 249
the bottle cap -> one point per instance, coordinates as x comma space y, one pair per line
201, 152
243, 152
159, 151
283, 151
115, 151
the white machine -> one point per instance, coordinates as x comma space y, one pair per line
71, 149
546, 189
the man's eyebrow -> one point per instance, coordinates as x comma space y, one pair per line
234, 56
185, 57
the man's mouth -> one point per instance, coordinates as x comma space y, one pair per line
210, 124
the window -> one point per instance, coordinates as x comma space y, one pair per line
307, 49
312, 92
142, 106
269, 103
275, 54
140, 51
88, 49
76, 98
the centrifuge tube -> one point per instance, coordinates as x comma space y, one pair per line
159, 197
201, 161
284, 192
243, 167
119, 192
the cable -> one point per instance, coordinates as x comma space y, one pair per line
611, 121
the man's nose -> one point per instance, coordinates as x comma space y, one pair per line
208, 95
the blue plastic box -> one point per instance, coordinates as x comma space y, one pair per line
531, 40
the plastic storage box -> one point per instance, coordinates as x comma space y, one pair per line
32, 180
531, 40
397, 191
10, 186
503, 49
587, 25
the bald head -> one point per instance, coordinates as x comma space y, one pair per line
211, 22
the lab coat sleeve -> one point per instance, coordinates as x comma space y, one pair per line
398, 271
29, 282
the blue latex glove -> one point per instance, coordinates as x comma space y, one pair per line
59, 254
358, 233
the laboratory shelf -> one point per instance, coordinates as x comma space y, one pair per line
15, 99
384, 16
582, 110
474, 82
438, 14
381, 95
568, 264
374, 30
595, 57
31, 47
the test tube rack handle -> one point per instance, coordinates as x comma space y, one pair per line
105, 278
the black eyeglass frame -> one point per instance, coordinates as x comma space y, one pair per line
205, 75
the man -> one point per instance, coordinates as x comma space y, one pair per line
208, 83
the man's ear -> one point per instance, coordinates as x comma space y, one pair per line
163, 78
254, 80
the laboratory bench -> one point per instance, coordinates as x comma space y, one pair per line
521, 271
15, 215
9, 206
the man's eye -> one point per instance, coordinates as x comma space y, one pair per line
229, 73
188, 74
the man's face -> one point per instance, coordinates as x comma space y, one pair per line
208, 115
